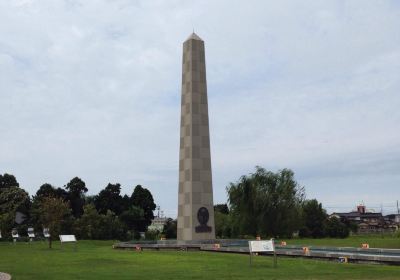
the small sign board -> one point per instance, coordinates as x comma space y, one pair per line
259, 246
14, 233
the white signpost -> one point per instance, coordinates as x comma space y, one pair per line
67, 239
260, 246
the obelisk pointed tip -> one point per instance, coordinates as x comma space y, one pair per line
194, 36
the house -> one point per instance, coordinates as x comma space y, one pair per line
368, 222
393, 221
157, 224
393, 218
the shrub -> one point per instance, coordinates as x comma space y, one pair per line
335, 228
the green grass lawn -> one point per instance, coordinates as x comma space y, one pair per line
97, 260
374, 241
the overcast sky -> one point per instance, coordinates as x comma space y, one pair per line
92, 89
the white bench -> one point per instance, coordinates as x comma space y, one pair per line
46, 233
31, 234
68, 239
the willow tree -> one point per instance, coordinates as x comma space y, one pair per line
266, 203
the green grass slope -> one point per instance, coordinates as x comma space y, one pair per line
97, 260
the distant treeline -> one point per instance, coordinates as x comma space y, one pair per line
264, 203
107, 215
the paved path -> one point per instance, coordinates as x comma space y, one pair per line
4, 276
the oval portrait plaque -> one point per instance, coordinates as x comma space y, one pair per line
203, 216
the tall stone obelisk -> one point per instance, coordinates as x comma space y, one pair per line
195, 199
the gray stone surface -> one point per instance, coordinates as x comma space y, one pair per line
4, 276
374, 255
195, 178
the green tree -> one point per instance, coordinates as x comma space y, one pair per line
47, 190
7, 221
222, 208
92, 225
153, 235
88, 225
90, 199
76, 190
109, 199
352, 226
8, 180
13, 200
266, 203
314, 217
113, 227
335, 228
53, 213
242, 197
170, 229
133, 218
222, 225
143, 199
125, 203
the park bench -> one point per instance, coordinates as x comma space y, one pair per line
68, 239
46, 232
31, 234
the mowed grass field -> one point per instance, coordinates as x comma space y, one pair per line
97, 260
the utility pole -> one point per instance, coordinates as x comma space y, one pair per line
398, 210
